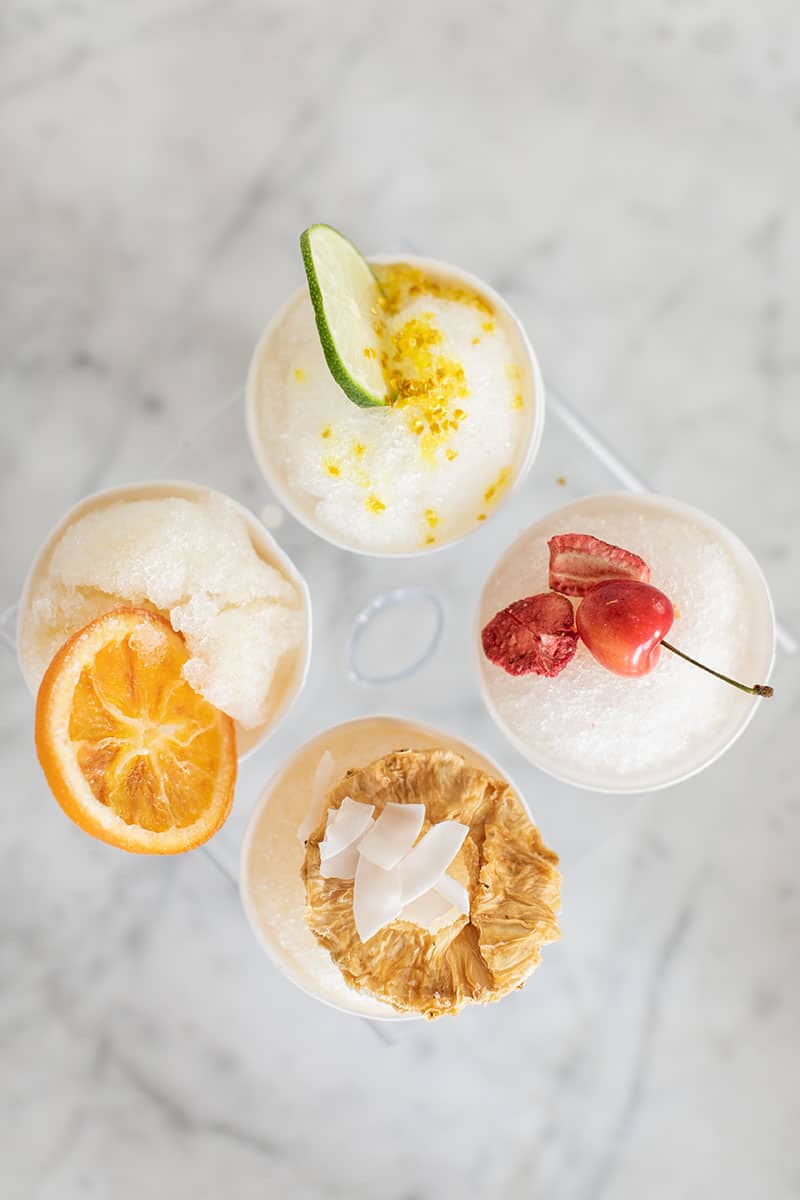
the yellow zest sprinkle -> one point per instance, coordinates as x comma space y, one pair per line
513, 371
418, 333
481, 517
333, 469
450, 455
427, 447
400, 282
423, 380
374, 504
561, 481
432, 518
359, 449
676, 612
370, 352
418, 375
326, 433
518, 402
299, 374
430, 539
498, 486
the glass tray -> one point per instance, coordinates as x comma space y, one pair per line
394, 636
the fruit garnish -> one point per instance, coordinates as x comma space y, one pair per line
346, 825
427, 863
579, 561
755, 689
325, 775
347, 303
483, 857
393, 834
623, 624
377, 898
535, 635
390, 869
130, 751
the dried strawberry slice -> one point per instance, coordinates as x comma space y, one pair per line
534, 635
579, 561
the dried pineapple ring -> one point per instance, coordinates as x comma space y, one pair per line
510, 876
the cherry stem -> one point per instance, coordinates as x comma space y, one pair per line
758, 689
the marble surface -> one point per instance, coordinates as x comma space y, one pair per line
627, 175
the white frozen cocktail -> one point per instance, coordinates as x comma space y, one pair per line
391, 871
585, 683
392, 408
200, 560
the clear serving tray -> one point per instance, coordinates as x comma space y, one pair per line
394, 636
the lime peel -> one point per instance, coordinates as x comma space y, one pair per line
347, 298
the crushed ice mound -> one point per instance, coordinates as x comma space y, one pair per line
192, 560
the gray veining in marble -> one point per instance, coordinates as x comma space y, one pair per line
628, 175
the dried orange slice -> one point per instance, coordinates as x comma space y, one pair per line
131, 752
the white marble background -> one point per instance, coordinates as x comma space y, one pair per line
629, 175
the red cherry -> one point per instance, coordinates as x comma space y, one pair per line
622, 623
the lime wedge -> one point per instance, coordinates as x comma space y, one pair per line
347, 303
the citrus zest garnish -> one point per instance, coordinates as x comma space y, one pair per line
131, 752
425, 381
499, 485
400, 282
374, 504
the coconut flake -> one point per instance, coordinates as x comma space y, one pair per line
346, 824
430, 910
422, 869
324, 779
454, 893
393, 834
340, 866
377, 898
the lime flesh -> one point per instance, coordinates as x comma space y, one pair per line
347, 303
